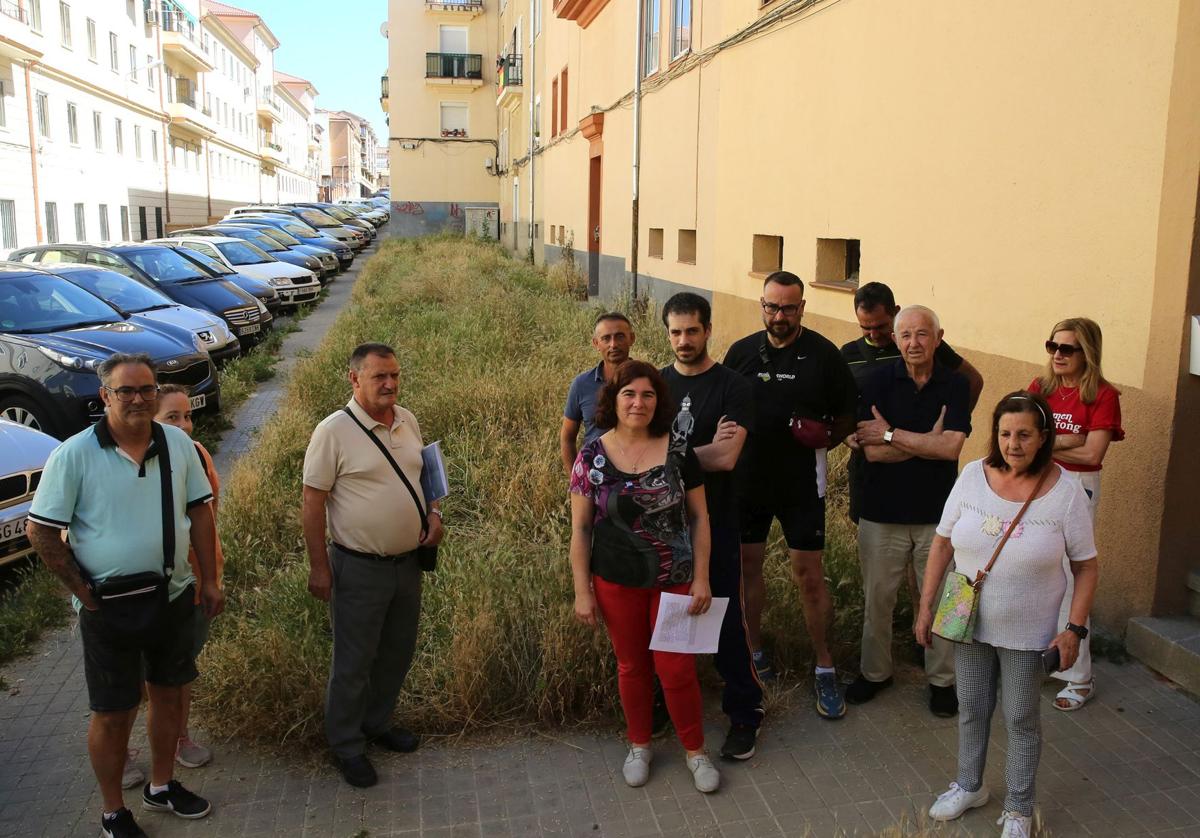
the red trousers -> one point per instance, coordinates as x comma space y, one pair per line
629, 614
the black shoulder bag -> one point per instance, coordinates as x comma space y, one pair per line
426, 556
132, 604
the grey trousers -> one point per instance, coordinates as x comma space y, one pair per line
376, 607
977, 667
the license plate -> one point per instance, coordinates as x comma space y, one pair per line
287, 295
250, 330
10, 530
197, 402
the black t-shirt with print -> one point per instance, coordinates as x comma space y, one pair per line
716, 392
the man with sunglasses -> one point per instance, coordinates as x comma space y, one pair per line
804, 402
120, 506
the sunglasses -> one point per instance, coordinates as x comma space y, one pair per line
1064, 349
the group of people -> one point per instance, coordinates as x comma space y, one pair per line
682, 471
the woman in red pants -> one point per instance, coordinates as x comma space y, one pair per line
639, 527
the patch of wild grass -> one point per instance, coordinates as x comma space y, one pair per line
31, 602
487, 348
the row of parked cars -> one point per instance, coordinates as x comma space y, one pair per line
193, 301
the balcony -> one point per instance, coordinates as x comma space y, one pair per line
269, 150
383, 93
268, 105
181, 44
185, 112
16, 42
453, 69
460, 8
508, 81
583, 12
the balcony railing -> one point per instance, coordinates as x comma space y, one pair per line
453, 65
183, 91
14, 10
383, 87
268, 140
508, 71
454, 5
268, 96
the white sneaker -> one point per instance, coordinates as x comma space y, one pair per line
132, 775
951, 804
637, 767
704, 773
1015, 825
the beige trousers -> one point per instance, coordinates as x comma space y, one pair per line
884, 551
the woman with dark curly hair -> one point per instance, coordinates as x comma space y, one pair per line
639, 527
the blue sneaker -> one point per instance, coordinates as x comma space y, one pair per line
762, 666
830, 704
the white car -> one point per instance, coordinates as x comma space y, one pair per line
23, 452
294, 284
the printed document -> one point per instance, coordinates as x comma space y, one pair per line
676, 630
434, 483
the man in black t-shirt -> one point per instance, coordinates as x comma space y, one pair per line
875, 308
804, 398
715, 410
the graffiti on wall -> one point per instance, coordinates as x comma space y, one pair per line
419, 218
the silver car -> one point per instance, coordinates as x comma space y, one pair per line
23, 453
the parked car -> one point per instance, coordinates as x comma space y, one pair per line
151, 308
351, 236
329, 262
302, 232
261, 290
23, 453
260, 240
342, 216
173, 274
53, 335
293, 284
375, 214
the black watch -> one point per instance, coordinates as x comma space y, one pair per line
1079, 630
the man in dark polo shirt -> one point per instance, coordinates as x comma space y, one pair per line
715, 409
797, 376
875, 309
612, 337
914, 417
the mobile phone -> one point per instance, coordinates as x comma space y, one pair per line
1051, 660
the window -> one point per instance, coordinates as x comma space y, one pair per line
120, 137
837, 260
72, 125
687, 247
650, 49
131, 10
562, 109
137, 141
133, 63
125, 223
455, 119
43, 114
149, 71
554, 108
104, 222
153, 145
91, 38
51, 222
681, 27
112, 50
3, 104
654, 245
158, 222
8, 224
767, 254
97, 130
35, 15
64, 20
142, 223
80, 224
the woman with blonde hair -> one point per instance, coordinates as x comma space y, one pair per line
1087, 418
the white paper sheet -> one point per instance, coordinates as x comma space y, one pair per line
676, 630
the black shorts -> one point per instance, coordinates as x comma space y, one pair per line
115, 664
802, 519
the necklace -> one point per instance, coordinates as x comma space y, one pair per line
636, 461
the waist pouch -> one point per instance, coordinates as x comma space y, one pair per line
132, 604
427, 558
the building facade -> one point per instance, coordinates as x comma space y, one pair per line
352, 156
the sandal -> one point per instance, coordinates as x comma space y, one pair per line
1075, 695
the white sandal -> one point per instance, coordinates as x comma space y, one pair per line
1076, 695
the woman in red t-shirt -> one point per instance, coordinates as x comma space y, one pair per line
1087, 417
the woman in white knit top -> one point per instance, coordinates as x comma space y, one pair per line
1019, 601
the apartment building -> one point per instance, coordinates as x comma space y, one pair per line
126, 119
351, 159
1008, 165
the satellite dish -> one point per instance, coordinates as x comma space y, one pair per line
383, 29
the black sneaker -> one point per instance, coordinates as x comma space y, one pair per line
357, 771
739, 742
943, 701
762, 666
862, 690
175, 798
120, 825
397, 739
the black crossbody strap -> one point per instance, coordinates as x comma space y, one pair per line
396, 466
168, 497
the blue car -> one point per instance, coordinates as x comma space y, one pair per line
329, 261
23, 453
298, 230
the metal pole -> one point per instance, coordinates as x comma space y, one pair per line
532, 66
637, 142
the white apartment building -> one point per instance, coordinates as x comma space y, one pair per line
299, 176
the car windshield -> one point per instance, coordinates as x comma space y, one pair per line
125, 293
318, 219
242, 253
45, 303
277, 235
299, 229
164, 264
213, 266
260, 240
339, 213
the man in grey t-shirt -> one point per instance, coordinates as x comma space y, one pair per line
612, 337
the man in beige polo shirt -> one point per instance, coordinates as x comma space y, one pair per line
369, 572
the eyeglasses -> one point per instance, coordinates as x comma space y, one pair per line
773, 309
125, 394
1064, 349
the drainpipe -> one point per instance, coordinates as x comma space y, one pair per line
33, 161
637, 143
532, 124
162, 107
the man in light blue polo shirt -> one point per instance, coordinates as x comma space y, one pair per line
612, 337
105, 487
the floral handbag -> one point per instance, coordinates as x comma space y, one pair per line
959, 608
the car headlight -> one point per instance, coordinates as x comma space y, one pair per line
71, 362
262, 309
313, 263
199, 344
279, 280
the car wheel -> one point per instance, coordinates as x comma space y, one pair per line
26, 412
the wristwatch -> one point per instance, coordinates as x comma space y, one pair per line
887, 436
433, 510
1079, 630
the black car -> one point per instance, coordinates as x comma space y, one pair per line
53, 335
176, 276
